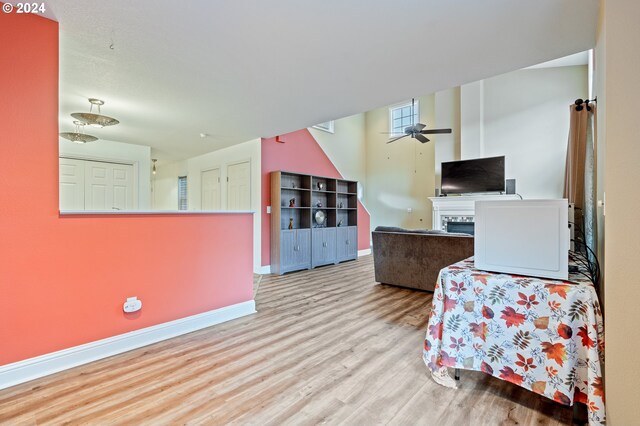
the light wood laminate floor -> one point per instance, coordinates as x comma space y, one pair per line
326, 346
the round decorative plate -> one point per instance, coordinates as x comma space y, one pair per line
320, 217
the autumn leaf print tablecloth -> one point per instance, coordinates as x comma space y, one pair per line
544, 335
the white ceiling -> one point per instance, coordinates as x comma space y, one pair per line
241, 69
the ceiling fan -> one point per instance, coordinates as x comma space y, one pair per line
417, 130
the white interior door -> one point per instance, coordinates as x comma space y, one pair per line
210, 184
71, 182
122, 186
239, 186
108, 186
96, 186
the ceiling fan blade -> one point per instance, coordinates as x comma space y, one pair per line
399, 137
421, 138
435, 131
419, 126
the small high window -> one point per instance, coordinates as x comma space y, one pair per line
327, 126
400, 117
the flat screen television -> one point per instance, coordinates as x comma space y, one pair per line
478, 175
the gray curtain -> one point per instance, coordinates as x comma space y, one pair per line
580, 175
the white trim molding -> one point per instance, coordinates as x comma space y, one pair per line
263, 270
44, 365
364, 252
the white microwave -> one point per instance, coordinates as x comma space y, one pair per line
523, 237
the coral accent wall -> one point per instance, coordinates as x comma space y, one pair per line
300, 153
63, 280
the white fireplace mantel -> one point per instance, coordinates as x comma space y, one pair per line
461, 207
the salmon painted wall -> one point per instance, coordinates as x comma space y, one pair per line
63, 280
301, 154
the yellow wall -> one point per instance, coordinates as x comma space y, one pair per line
622, 180
400, 175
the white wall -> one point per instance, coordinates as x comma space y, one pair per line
346, 148
619, 89
247, 151
472, 120
400, 175
164, 185
447, 116
104, 150
524, 115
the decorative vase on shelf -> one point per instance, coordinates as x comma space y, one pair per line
321, 186
292, 202
318, 203
290, 223
340, 205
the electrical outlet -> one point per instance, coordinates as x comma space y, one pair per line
268, 209
409, 210
132, 304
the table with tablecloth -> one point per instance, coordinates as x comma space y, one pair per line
542, 334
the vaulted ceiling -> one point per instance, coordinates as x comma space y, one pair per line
241, 69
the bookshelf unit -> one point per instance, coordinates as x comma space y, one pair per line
300, 239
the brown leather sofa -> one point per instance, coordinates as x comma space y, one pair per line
413, 258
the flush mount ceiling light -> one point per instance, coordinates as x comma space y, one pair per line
78, 136
92, 119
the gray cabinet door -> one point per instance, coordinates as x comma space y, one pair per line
352, 242
317, 246
329, 245
303, 254
317, 252
323, 246
342, 241
288, 250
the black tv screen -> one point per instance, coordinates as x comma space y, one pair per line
479, 175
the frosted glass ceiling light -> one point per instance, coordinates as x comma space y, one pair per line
95, 120
78, 136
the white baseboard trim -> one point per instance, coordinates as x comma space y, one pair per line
364, 252
43, 365
263, 270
